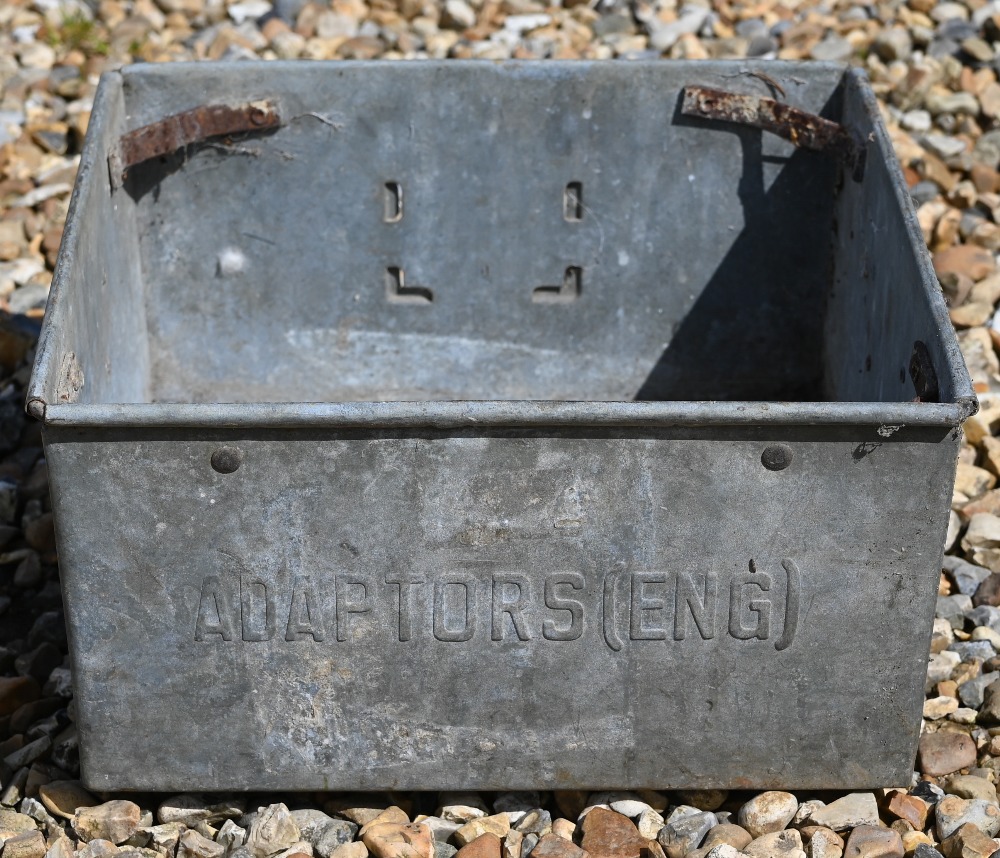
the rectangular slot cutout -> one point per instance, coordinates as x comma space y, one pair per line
399, 293
393, 212
573, 201
569, 290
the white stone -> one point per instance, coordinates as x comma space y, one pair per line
936, 708
857, 808
249, 10
768, 812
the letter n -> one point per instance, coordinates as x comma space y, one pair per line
701, 605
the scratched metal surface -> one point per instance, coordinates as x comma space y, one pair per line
245, 630
483, 155
485, 587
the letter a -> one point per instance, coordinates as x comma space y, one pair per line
304, 614
215, 612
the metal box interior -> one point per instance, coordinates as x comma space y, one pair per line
495, 321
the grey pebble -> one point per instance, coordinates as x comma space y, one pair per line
954, 608
981, 813
337, 833
680, 836
311, 823
39, 662
924, 192
443, 850
29, 753
972, 650
537, 821
31, 296
893, 43
832, 48
971, 692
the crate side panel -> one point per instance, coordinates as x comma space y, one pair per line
885, 297
504, 611
686, 271
97, 343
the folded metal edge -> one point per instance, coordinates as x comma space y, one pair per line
887, 417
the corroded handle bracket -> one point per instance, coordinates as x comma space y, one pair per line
803, 129
182, 129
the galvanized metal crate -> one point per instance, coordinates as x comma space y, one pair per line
496, 425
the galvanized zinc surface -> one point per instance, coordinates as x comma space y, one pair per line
317, 618
277, 577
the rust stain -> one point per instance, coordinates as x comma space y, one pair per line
803, 129
923, 374
192, 126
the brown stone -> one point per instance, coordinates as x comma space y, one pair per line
361, 48
395, 840
970, 787
933, 169
967, 842
914, 810
971, 314
869, 841
984, 177
484, 846
973, 481
967, 670
571, 801
942, 753
988, 592
553, 846
776, 844
354, 849
824, 843
15, 691
274, 26
913, 839
968, 259
29, 844
729, 834
14, 343
511, 845
40, 533
990, 454
956, 288
607, 833
390, 814
947, 688
564, 828
115, 821
499, 824
12, 822
195, 845
810, 831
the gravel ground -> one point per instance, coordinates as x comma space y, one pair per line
934, 66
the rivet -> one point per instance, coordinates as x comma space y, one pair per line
776, 457
225, 460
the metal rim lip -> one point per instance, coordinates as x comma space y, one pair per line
483, 414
